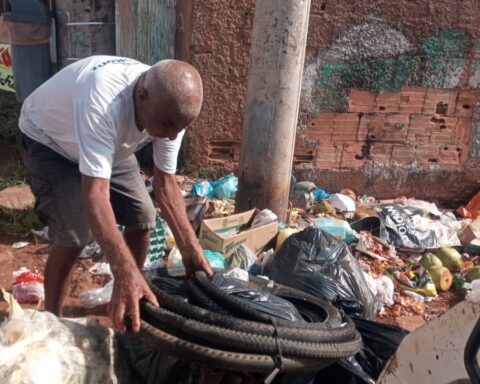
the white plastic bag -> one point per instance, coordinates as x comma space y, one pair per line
97, 296
39, 348
263, 218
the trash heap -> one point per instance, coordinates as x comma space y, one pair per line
415, 259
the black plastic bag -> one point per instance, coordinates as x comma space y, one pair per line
372, 224
317, 263
260, 300
402, 232
380, 341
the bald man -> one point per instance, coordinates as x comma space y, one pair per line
78, 134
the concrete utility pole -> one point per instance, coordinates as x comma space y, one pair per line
273, 94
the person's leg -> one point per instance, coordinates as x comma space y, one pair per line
133, 207
55, 181
58, 274
138, 241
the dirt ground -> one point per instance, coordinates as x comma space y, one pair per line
34, 257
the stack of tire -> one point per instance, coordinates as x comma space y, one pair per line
218, 330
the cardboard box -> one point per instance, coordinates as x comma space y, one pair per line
256, 238
470, 237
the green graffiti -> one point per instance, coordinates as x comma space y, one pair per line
438, 63
377, 75
442, 57
447, 42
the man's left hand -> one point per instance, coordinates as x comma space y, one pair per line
196, 261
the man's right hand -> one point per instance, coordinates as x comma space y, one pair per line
129, 288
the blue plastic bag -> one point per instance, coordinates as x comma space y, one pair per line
337, 228
320, 194
203, 189
226, 187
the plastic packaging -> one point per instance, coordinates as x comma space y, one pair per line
381, 341
320, 194
91, 250
401, 229
156, 249
242, 257
285, 234
319, 264
261, 301
100, 269
302, 195
263, 218
337, 228
28, 288
203, 189
97, 296
176, 267
225, 187
414, 278
36, 347
342, 203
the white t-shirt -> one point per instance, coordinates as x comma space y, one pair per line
86, 113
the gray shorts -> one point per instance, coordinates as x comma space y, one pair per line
56, 183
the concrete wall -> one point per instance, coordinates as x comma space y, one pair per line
390, 101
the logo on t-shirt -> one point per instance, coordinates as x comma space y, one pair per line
120, 60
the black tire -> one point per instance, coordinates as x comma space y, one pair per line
215, 358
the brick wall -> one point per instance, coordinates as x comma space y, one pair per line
390, 95
416, 125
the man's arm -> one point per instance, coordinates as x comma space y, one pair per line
169, 197
129, 285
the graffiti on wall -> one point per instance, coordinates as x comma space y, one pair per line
374, 75
375, 56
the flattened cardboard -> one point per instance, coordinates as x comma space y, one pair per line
255, 238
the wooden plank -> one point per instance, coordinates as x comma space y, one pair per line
145, 29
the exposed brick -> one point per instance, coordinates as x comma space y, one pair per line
450, 156
463, 131
396, 127
443, 130
466, 101
320, 127
361, 101
439, 101
328, 155
403, 154
412, 99
345, 127
427, 154
381, 152
352, 155
221, 150
303, 155
420, 129
388, 102
371, 125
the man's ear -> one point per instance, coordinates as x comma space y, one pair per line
142, 93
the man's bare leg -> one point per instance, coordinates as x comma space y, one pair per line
138, 241
58, 273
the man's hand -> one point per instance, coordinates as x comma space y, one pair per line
196, 261
129, 288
